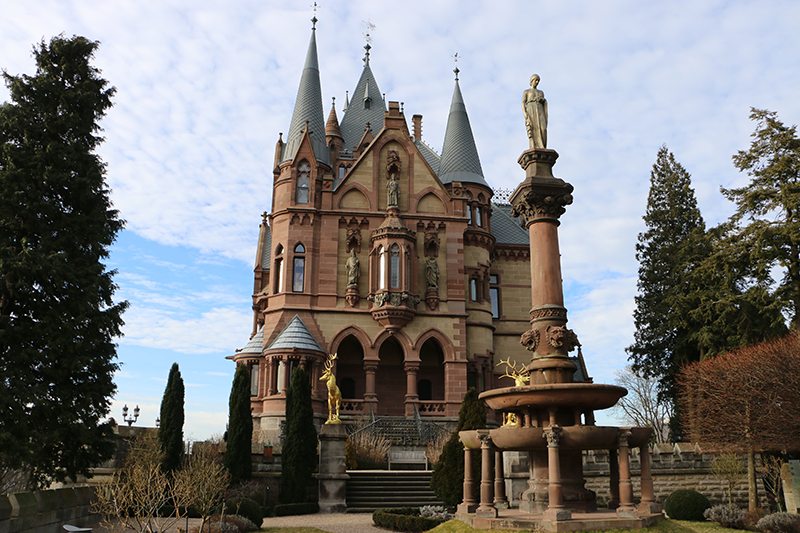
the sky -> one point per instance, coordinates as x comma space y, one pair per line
205, 87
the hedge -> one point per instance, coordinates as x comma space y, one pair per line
404, 519
287, 509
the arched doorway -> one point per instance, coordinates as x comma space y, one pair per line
430, 377
350, 370
391, 379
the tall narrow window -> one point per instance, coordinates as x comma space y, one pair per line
494, 295
303, 181
299, 268
407, 277
381, 268
394, 268
279, 269
469, 208
254, 379
478, 220
473, 289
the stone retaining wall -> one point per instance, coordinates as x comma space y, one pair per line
674, 466
46, 511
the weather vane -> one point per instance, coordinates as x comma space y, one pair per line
370, 27
455, 57
314, 20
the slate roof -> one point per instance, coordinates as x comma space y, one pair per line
356, 116
430, 156
505, 228
254, 345
295, 335
578, 376
308, 107
459, 161
266, 249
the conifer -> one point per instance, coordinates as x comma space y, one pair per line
170, 429
299, 455
240, 428
57, 318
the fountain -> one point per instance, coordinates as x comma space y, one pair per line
547, 414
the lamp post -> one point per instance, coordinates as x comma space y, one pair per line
132, 419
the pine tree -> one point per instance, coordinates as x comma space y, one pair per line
668, 252
170, 430
240, 428
299, 455
57, 317
447, 480
767, 217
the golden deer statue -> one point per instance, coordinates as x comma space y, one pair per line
334, 395
520, 375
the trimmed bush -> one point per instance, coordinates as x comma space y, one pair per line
245, 507
406, 519
684, 504
726, 515
752, 517
779, 523
291, 509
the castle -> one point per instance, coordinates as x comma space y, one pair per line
400, 260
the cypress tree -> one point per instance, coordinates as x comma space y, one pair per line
57, 318
299, 456
447, 480
170, 430
240, 428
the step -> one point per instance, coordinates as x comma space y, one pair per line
368, 490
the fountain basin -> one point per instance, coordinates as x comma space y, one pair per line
581, 395
572, 438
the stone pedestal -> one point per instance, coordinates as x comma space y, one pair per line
332, 475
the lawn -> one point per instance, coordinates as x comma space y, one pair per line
455, 526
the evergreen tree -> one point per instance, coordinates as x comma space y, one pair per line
299, 455
668, 253
240, 428
767, 218
447, 480
170, 430
57, 317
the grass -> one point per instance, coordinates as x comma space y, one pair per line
456, 526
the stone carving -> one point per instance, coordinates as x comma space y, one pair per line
521, 376
544, 203
353, 268
432, 273
353, 239
530, 339
548, 312
622, 437
557, 335
396, 298
534, 106
431, 241
553, 435
393, 166
334, 395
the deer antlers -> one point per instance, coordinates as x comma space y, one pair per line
520, 375
330, 362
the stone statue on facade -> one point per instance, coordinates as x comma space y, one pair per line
353, 269
393, 192
432, 273
534, 106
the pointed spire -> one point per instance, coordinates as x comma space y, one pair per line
366, 107
460, 161
308, 107
332, 126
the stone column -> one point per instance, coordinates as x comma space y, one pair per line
286, 376
272, 376
613, 475
626, 507
555, 509
370, 369
648, 504
486, 508
411, 387
332, 475
469, 503
500, 500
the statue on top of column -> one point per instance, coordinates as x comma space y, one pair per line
534, 106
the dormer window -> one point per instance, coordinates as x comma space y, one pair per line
303, 183
367, 103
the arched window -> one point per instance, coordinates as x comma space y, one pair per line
407, 277
381, 267
478, 219
298, 272
394, 268
303, 182
278, 270
473, 289
469, 208
254, 379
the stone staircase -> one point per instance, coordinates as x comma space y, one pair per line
368, 490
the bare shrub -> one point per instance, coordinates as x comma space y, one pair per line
368, 445
730, 468
435, 447
779, 523
728, 516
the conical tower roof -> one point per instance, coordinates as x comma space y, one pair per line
308, 108
366, 106
295, 335
459, 161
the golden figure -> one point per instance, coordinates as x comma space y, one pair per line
520, 375
510, 419
334, 395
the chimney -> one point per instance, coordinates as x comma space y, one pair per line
417, 127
